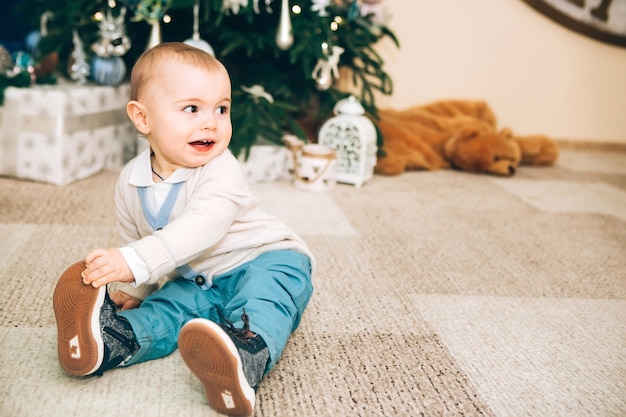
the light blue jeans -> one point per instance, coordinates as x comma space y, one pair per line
274, 288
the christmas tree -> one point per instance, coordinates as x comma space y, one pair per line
284, 56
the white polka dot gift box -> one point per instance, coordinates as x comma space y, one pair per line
63, 133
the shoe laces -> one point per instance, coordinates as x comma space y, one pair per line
253, 351
243, 335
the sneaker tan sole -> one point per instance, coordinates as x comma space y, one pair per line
212, 357
77, 312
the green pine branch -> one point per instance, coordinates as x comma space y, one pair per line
246, 44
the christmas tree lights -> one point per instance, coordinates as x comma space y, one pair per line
284, 56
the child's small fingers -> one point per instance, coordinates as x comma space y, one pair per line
85, 278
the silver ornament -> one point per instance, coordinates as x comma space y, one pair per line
284, 34
195, 40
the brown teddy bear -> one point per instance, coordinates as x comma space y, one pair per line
458, 134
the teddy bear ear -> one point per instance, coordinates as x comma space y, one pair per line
463, 136
506, 133
468, 133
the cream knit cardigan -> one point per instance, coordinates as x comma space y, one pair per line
215, 225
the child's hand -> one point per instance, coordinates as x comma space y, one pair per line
105, 266
124, 301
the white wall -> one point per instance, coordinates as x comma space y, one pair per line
538, 76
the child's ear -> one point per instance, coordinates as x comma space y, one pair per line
137, 114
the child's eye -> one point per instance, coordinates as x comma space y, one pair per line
222, 110
191, 109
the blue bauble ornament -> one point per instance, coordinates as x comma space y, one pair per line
108, 71
32, 42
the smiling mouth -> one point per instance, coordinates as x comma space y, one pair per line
202, 143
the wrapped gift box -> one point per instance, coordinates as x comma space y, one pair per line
65, 132
266, 162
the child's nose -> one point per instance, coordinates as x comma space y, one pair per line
209, 122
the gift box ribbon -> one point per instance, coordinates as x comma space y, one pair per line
14, 125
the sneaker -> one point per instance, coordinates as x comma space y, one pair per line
92, 338
229, 362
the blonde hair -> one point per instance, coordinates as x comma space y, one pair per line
151, 60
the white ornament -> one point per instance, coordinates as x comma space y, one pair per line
257, 91
353, 136
234, 5
43, 22
320, 6
155, 34
257, 10
284, 33
80, 69
113, 40
326, 69
195, 40
373, 7
268, 7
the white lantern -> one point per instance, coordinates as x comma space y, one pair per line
353, 136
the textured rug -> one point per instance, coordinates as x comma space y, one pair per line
436, 294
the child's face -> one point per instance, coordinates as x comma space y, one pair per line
187, 116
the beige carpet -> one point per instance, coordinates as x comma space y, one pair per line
437, 294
